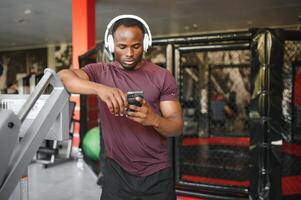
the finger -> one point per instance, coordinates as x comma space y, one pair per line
110, 106
133, 108
136, 114
143, 102
124, 98
122, 102
133, 118
139, 99
115, 106
120, 105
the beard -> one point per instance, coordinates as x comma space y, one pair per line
130, 64
128, 67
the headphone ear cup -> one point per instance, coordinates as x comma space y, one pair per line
145, 42
111, 43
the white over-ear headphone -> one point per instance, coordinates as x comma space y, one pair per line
109, 40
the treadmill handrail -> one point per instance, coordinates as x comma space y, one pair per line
49, 75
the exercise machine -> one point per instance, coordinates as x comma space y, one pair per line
25, 122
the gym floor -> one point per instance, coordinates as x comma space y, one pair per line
66, 181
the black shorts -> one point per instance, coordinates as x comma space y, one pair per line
120, 185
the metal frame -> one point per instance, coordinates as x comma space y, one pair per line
36, 133
204, 38
206, 195
222, 192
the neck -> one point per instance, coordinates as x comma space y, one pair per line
139, 65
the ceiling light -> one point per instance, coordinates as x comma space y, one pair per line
186, 28
27, 11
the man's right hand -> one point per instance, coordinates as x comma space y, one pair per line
115, 99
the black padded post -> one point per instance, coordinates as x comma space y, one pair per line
265, 115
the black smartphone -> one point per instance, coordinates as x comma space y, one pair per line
131, 96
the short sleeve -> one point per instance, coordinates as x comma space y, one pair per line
169, 91
93, 71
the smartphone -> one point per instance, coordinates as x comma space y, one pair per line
131, 97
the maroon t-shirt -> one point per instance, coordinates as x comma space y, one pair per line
138, 149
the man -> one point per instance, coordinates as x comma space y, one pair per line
219, 109
137, 165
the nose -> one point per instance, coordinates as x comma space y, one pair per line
130, 52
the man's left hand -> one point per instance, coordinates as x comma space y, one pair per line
144, 114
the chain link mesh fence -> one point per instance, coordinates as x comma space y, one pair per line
291, 111
215, 93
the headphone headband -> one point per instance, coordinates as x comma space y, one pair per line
149, 38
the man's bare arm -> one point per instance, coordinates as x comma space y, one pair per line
169, 124
171, 121
77, 81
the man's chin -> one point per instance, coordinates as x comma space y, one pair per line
128, 67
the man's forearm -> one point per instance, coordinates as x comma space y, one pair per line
168, 127
75, 84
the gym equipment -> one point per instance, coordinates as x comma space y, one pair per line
53, 151
109, 40
49, 152
91, 144
21, 133
16, 102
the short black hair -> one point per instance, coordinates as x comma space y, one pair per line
128, 22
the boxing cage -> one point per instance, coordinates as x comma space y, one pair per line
255, 152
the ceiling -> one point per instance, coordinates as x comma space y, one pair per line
35, 23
